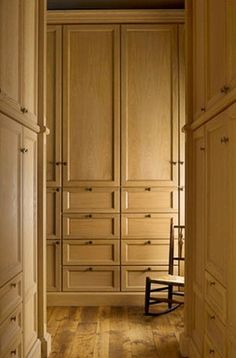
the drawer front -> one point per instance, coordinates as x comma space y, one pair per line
10, 296
215, 295
98, 252
134, 277
215, 330
90, 226
93, 278
9, 329
53, 213
91, 199
15, 349
145, 252
149, 199
156, 226
210, 350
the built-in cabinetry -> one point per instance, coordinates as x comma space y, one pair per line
18, 180
115, 153
210, 321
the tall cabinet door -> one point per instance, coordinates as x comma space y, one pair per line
217, 181
30, 57
29, 239
54, 68
10, 203
149, 105
91, 105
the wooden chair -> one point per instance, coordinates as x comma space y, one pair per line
170, 280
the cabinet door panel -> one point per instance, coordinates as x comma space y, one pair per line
91, 105
53, 265
53, 213
54, 74
30, 57
10, 43
149, 105
11, 196
217, 217
215, 48
231, 47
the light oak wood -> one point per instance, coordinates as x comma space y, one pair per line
10, 296
113, 332
217, 219
149, 121
91, 226
87, 199
149, 199
10, 329
133, 278
91, 93
16, 348
230, 44
29, 240
54, 104
145, 252
30, 57
209, 349
54, 213
91, 278
10, 73
215, 330
198, 321
147, 226
97, 252
215, 295
11, 199
53, 265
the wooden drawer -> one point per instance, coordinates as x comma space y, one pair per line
149, 199
91, 226
215, 295
10, 328
210, 350
93, 278
156, 226
53, 213
10, 296
15, 349
145, 252
133, 278
215, 330
98, 252
91, 199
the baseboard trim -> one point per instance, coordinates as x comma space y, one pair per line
95, 299
46, 344
35, 351
184, 344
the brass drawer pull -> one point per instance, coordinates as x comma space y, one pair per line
225, 89
89, 242
58, 189
148, 216
224, 140
147, 242
58, 242
24, 110
173, 162
202, 148
212, 283
148, 269
13, 285
89, 216
13, 319
13, 353
212, 317
203, 109
88, 189
211, 351
24, 150
148, 189
89, 269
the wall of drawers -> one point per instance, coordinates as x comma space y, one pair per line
113, 184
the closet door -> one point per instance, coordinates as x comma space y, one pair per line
54, 68
29, 239
149, 105
11, 199
91, 105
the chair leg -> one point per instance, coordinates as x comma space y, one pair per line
170, 296
147, 295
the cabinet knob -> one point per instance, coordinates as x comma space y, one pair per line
181, 162
212, 317
148, 269
173, 162
24, 110
57, 189
88, 189
24, 150
224, 140
148, 242
148, 216
212, 283
89, 216
58, 242
211, 351
203, 109
148, 189
13, 353
90, 242
90, 269
13, 285
13, 319
202, 148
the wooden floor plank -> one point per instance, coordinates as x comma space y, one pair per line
113, 332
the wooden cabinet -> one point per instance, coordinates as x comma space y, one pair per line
54, 104
54, 213
91, 93
11, 199
29, 239
10, 329
53, 265
149, 105
230, 45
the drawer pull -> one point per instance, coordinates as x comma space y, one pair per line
88, 189
58, 242
212, 283
89, 242
24, 150
13, 353
13, 319
147, 242
212, 317
24, 110
13, 285
224, 140
148, 189
173, 162
225, 89
202, 148
89, 269
211, 351
203, 109
89, 216
58, 189
148, 216
148, 269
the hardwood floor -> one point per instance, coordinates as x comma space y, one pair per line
113, 332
